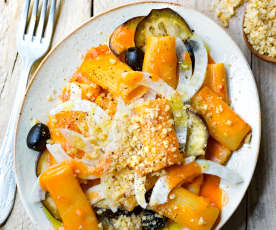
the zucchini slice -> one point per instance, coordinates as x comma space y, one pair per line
161, 22
50, 205
197, 135
122, 37
42, 162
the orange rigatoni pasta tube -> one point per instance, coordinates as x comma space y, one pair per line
217, 152
216, 80
189, 210
72, 204
224, 125
210, 189
158, 135
160, 59
195, 186
106, 70
179, 174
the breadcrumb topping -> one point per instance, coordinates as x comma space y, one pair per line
260, 26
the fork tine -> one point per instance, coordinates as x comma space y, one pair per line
31, 26
24, 19
42, 20
33, 18
51, 20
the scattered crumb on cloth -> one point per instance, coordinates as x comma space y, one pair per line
225, 9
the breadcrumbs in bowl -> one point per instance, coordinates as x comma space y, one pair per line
260, 26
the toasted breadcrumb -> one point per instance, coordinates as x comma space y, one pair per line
225, 9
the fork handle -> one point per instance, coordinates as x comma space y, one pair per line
7, 178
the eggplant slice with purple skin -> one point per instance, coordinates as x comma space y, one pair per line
50, 205
161, 22
42, 162
197, 135
115, 46
41, 165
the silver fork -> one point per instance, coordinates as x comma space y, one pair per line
31, 46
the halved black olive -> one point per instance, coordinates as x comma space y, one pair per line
134, 58
37, 137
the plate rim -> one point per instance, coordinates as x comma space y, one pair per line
83, 24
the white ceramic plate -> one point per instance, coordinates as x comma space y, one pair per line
63, 60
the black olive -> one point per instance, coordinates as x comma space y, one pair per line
107, 213
153, 221
134, 58
191, 52
37, 137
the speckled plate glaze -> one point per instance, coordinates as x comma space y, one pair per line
63, 60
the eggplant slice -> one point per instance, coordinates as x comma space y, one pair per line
197, 135
48, 203
51, 206
127, 29
42, 162
161, 22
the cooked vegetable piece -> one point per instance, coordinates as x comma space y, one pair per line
189, 210
223, 123
176, 175
191, 53
185, 64
160, 59
42, 162
210, 59
180, 116
73, 206
195, 186
107, 102
197, 135
213, 168
106, 70
161, 22
134, 58
188, 87
216, 80
51, 206
159, 87
211, 190
88, 91
158, 135
123, 36
56, 223
95, 193
37, 137
217, 152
